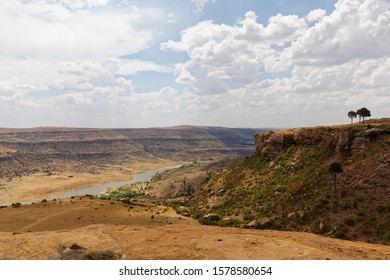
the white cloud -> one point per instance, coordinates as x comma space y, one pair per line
198, 5
315, 15
32, 30
133, 66
341, 61
288, 72
70, 46
355, 30
81, 4
223, 57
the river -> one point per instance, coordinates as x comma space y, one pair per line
96, 190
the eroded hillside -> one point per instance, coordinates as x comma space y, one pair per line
28, 151
287, 185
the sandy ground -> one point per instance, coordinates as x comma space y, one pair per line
40, 186
147, 231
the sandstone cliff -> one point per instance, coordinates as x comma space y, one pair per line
347, 139
287, 184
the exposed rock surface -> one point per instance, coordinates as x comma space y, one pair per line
188, 242
346, 139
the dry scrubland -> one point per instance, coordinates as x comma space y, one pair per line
90, 228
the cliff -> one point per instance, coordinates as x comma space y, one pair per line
287, 184
346, 140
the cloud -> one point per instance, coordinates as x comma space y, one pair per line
133, 66
355, 30
198, 5
82, 4
52, 31
223, 57
341, 61
289, 71
315, 15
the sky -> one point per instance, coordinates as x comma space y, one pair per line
158, 63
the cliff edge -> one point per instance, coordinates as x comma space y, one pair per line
287, 184
352, 139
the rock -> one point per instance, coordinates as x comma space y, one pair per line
345, 139
252, 224
212, 217
358, 145
278, 168
291, 215
262, 222
280, 189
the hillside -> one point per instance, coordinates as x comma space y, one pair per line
287, 184
40, 162
91, 228
27, 151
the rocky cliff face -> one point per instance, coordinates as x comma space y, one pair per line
347, 139
287, 184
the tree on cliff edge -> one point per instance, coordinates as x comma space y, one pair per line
363, 113
352, 115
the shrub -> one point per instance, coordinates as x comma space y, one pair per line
210, 219
349, 221
386, 236
340, 234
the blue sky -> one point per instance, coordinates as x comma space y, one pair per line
236, 63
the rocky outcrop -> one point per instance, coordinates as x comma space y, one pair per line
346, 139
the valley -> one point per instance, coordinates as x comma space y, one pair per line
42, 162
271, 198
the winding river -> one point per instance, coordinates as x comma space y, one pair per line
96, 190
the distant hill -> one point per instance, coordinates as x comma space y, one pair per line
50, 149
287, 184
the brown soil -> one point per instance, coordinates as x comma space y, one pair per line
147, 231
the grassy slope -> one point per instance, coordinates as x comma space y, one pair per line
295, 192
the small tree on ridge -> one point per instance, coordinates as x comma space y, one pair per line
363, 113
352, 115
335, 168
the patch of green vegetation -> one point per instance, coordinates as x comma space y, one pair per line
349, 221
121, 194
386, 236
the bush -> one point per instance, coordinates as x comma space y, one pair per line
210, 219
386, 236
349, 221
340, 234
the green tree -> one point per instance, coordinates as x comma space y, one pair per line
363, 113
352, 115
335, 168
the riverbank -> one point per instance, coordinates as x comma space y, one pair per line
41, 186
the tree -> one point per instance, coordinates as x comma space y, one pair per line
352, 115
335, 168
363, 113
